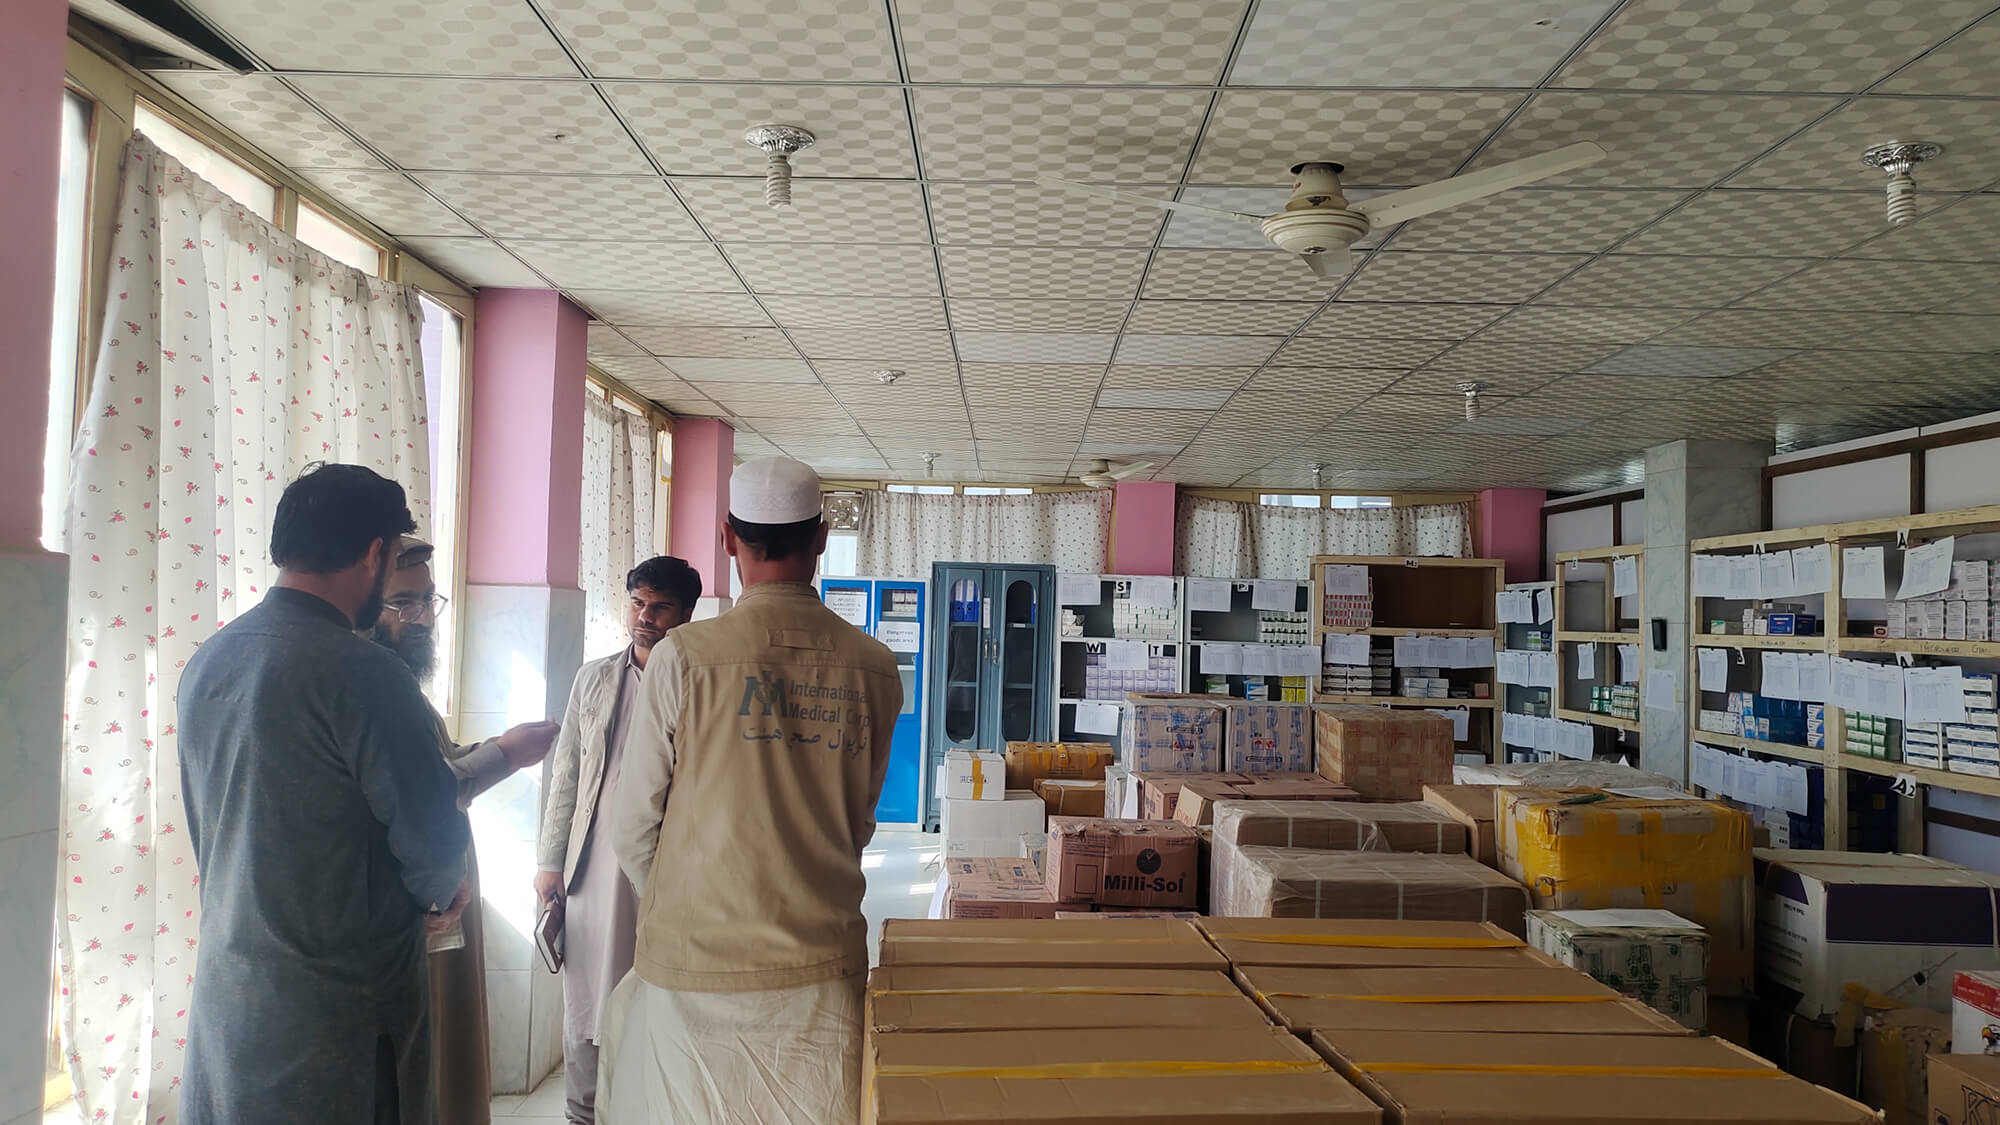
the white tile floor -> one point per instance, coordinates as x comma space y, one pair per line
901, 864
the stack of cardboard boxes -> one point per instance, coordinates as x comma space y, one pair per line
1962, 611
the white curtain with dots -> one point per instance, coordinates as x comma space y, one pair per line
620, 470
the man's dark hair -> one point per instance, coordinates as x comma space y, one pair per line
329, 516
774, 542
670, 576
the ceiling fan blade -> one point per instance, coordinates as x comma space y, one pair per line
1329, 264
1134, 197
1130, 468
1399, 206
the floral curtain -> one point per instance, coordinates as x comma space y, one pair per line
903, 533
618, 478
232, 357
1232, 539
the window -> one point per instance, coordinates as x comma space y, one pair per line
1289, 499
925, 489
329, 236
72, 219
841, 546
236, 181
444, 382
983, 490
1358, 502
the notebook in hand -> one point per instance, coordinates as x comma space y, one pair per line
549, 937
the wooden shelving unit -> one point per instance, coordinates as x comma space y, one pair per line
1424, 597
1166, 647
1597, 612
1533, 636
1208, 630
1887, 533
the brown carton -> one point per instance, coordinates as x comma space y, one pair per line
1065, 797
1177, 1075
1448, 999
1965, 1089
1198, 797
1259, 882
1474, 1079
1476, 807
1160, 793
959, 998
1382, 753
1358, 826
1123, 862
1155, 943
1367, 943
1895, 1076
1029, 762
980, 887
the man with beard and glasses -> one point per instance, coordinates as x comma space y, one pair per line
578, 872
326, 831
460, 1063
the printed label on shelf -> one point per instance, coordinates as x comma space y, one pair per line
1624, 577
1079, 589
1714, 667
1586, 662
1274, 594
1862, 575
1209, 595
1125, 656
1153, 593
898, 636
1926, 569
1097, 718
1349, 649
1345, 579
1812, 569
1628, 664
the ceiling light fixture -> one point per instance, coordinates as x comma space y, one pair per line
1898, 158
1473, 407
778, 142
888, 375
930, 464
1317, 467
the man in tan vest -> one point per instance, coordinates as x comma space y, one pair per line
756, 758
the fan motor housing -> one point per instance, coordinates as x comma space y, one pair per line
1315, 231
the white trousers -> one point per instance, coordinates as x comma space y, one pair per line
788, 1056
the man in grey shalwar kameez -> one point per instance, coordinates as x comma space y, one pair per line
327, 832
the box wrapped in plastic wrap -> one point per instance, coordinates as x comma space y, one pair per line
1260, 882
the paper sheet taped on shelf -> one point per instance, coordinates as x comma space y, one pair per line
1561, 775
1261, 882
1590, 850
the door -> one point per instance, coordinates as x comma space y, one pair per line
1022, 658
957, 661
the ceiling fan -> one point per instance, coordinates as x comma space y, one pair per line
1100, 474
1318, 225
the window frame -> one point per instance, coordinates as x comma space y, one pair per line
143, 105
1324, 500
321, 214
55, 452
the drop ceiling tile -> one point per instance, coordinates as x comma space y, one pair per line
696, 407
1500, 382
471, 37
389, 200
1132, 377
1034, 215
1764, 224
1120, 42
475, 262
1031, 425
836, 270
1139, 425
1767, 328
1219, 318
1329, 351
1076, 396
1550, 221
1262, 412
697, 369
765, 400
634, 369
1963, 67
922, 314
1899, 393
1019, 133
1681, 282
733, 210
1387, 139
1614, 391
1927, 332
1965, 231
1858, 366
265, 112
867, 405
1472, 278
1652, 140
720, 343
693, 267
1865, 286
1385, 321
604, 340
480, 125
1185, 229
1218, 351
581, 207
1585, 325
1045, 274
1482, 354
806, 40
969, 315
1149, 399
1226, 275
1359, 43
653, 309
1666, 362
1325, 380
916, 378
1827, 156
696, 129
1546, 402
1035, 347
884, 347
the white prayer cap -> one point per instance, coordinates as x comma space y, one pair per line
774, 490
412, 551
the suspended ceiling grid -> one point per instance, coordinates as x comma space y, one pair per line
1726, 272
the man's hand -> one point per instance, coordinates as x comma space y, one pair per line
447, 918
549, 889
527, 744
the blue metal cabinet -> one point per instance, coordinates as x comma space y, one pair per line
992, 643
892, 610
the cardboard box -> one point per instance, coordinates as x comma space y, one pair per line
1825, 919
1895, 1071
1965, 1090
964, 998
1395, 826
1172, 733
991, 1077
1975, 1012
973, 775
1123, 862
1139, 943
995, 888
1476, 807
1366, 943
1382, 753
1809, 1049
1029, 762
1653, 956
1475, 1079
978, 827
1558, 1000
1255, 882
1071, 798
1097, 912
1160, 791
1598, 850
1195, 804
1268, 738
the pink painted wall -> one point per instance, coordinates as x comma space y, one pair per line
1142, 528
31, 74
704, 456
1510, 528
525, 493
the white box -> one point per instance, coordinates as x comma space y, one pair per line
973, 775
1973, 768
1975, 1012
991, 828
